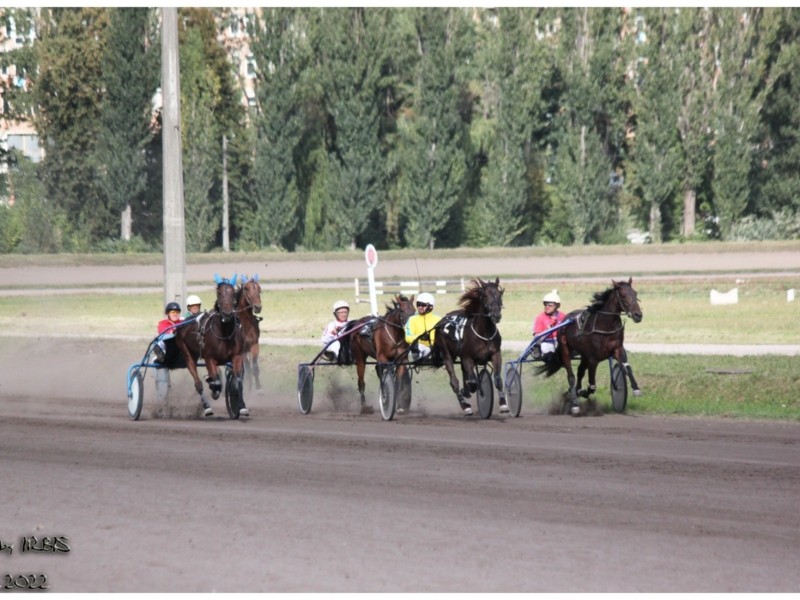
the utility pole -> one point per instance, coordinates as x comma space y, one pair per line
226, 243
174, 233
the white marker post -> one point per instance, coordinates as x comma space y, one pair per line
371, 255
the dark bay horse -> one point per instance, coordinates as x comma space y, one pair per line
383, 339
217, 337
596, 333
248, 305
471, 334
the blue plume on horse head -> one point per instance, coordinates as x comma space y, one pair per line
255, 277
243, 279
218, 280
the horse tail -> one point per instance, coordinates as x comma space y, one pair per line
551, 366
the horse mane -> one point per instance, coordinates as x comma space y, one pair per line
600, 298
394, 305
470, 301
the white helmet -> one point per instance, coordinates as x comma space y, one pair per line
340, 304
552, 297
426, 298
192, 300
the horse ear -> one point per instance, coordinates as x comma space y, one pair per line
630, 281
217, 278
497, 282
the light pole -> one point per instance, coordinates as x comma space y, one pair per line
173, 219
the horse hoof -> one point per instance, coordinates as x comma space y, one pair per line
208, 412
575, 409
637, 393
366, 409
503, 407
400, 411
215, 394
243, 412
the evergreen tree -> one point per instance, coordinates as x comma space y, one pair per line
130, 80
353, 54
282, 53
69, 91
778, 153
433, 136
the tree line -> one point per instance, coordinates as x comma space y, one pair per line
409, 127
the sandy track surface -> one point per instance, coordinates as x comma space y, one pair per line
337, 501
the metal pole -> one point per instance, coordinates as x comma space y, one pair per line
174, 234
226, 244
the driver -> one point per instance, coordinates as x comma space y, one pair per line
165, 348
341, 312
420, 332
549, 317
193, 307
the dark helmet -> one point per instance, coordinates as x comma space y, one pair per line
172, 306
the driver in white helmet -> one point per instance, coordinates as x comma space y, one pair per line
420, 332
341, 312
193, 307
548, 318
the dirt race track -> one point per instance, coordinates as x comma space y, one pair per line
337, 501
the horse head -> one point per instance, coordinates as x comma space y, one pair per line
627, 299
226, 297
250, 294
404, 306
492, 299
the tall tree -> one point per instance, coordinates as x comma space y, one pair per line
353, 54
590, 129
515, 68
130, 80
281, 52
778, 178
433, 133
69, 91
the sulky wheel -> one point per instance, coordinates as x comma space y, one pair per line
388, 396
305, 388
403, 391
135, 396
514, 390
233, 394
619, 387
485, 394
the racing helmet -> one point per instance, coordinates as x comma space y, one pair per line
192, 300
552, 297
172, 306
340, 304
426, 298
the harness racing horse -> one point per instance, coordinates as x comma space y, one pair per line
216, 337
471, 334
596, 333
383, 339
248, 305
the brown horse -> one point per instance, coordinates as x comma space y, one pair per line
596, 333
248, 305
471, 334
382, 339
216, 337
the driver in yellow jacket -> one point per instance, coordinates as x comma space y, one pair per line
420, 327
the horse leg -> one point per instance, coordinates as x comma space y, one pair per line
623, 358
572, 394
238, 372
212, 379
254, 365
497, 370
591, 403
448, 364
469, 376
